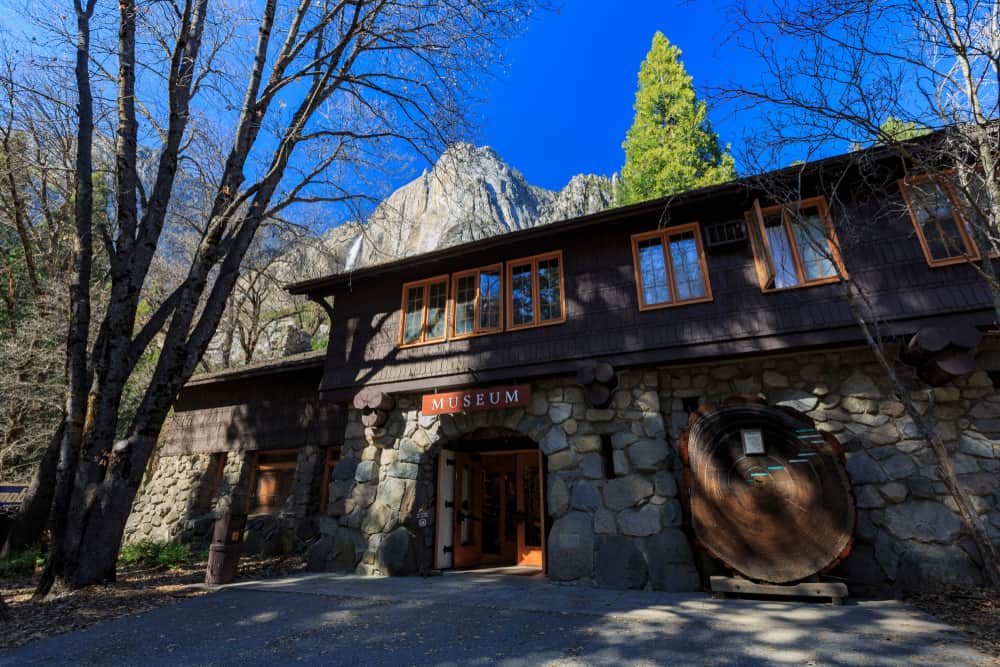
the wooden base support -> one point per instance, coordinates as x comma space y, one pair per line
725, 586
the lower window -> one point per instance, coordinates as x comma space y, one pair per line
271, 480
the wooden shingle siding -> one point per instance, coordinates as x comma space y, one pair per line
602, 312
274, 411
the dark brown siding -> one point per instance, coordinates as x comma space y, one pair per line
271, 411
603, 318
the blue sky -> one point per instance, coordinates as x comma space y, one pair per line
565, 102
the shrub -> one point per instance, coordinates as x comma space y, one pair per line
21, 564
155, 554
174, 555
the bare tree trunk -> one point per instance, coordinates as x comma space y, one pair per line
79, 327
29, 525
967, 510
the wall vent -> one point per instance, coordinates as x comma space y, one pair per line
726, 233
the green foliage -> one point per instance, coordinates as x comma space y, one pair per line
894, 130
21, 564
671, 146
167, 555
320, 343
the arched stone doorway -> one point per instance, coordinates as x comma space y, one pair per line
490, 502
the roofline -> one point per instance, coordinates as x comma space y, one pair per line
277, 366
328, 283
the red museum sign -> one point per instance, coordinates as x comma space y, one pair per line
473, 400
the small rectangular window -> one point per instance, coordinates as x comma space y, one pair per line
536, 293
425, 308
476, 301
271, 480
670, 267
939, 215
794, 244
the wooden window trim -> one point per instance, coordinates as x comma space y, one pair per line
664, 236
330, 460
972, 250
255, 466
425, 284
764, 258
453, 306
535, 302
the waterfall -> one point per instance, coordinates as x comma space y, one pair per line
353, 251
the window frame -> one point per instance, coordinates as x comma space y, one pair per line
664, 235
535, 302
957, 212
761, 246
453, 305
255, 468
425, 284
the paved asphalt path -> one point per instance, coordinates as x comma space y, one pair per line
475, 619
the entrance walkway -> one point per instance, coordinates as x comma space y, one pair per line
476, 618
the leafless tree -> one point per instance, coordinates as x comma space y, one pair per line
851, 73
832, 247
326, 85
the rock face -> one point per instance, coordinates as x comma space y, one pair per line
470, 194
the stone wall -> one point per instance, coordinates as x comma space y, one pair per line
623, 532
626, 530
176, 502
909, 535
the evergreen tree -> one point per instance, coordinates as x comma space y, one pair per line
671, 146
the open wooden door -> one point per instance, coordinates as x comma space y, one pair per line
531, 508
444, 526
468, 539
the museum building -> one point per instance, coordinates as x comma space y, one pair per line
641, 397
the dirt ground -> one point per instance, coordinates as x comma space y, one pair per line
138, 589
976, 613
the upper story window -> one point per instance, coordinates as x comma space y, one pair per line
670, 267
425, 307
794, 244
477, 298
941, 216
535, 291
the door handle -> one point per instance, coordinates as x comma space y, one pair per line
461, 516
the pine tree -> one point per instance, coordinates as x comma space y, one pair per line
671, 146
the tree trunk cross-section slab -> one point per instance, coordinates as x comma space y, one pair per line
777, 517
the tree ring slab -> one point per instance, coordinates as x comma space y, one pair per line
779, 516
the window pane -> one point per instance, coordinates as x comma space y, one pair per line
653, 271
414, 314
521, 297
489, 299
687, 267
549, 290
465, 304
781, 252
436, 304
274, 475
932, 209
810, 235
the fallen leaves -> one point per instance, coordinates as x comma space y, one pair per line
137, 590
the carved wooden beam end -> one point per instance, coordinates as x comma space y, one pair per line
375, 406
942, 354
598, 380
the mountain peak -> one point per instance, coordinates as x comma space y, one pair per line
469, 194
